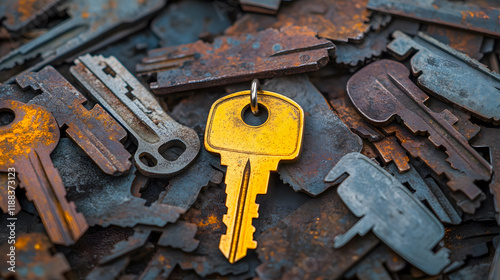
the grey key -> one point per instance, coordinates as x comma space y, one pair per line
164, 147
388, 209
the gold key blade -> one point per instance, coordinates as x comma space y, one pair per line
250, 153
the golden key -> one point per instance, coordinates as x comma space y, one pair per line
250, 153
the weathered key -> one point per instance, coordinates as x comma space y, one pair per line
250, 154
477, 16
382, 90
451, 75
95, 131
21, 15
388, 209
26, 144
89, 26
164, 147
267, 53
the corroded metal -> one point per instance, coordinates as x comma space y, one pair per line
476, 17
267, 53
451, 75
337, 20
388, 209
304, 240
378, 265
106, 200
164, 147
326, 138
186, 22
94, 131
420, 147
250, 160
467, 42
261, 6
21, 15
490, 137
388, 83
425, 189
373, 44
26, 145
33, 259
91, 23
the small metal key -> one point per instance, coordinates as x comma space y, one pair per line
250, 154
26, 144
136, 109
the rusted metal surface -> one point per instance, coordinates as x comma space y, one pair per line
469, 43
26, 145
389, 151
388, 81
420, 147
490, 138
88, 22
378, 265
373, 44
164, 147
301, 245
33, 259
187, 21
326, 138
8, 189
106, 200
261, 6
94, 131
425, 189
267, 53
21, 15
395, 216
340, 21
451, 75
474, 16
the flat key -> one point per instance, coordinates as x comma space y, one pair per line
94, 131
26, 144
136, 109
250, 154
382, 90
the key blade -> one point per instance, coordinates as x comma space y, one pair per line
95, 131
245, 179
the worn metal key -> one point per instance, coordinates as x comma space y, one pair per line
250, 154
26, 144
164, 147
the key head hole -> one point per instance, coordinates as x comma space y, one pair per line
172, 150
7, 116
148, 159
255, 120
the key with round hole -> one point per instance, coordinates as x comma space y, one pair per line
164, 147
250, 153
26, 144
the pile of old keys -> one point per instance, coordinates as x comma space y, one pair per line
225, 139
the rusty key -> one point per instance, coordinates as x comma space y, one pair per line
26, 144
164, 147
95, 131
382, 90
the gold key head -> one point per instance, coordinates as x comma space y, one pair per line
33, 128
280, 136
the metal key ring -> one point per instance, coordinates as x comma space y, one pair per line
253, 96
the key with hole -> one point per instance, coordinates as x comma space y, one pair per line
164, 147
250, 153
26, 144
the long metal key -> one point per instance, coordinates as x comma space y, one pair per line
26, 144
382, 90
164, 147
95, 131
250, 154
